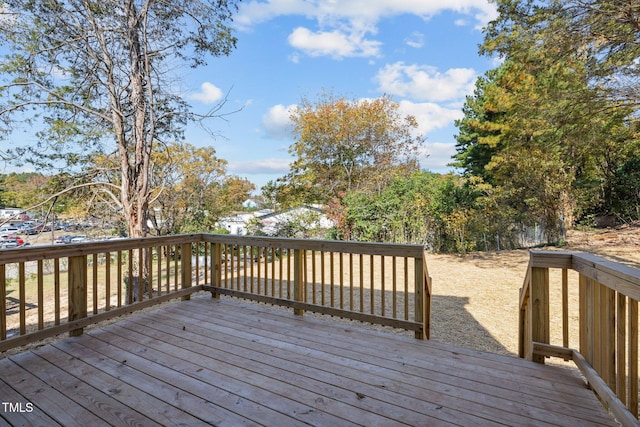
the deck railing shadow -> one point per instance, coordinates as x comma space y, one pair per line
452, 323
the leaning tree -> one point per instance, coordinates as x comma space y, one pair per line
102, 78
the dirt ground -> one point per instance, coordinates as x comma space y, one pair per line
475, 301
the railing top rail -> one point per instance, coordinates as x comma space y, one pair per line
367, 248
35, 253
524, 291
615, 275
58, 251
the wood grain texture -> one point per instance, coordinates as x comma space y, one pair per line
220, 362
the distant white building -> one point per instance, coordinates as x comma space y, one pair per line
308, 217
249, 204
12, 213
271, 222
237, 224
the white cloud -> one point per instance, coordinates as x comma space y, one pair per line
325, 12
416, 40
429, 116
209, 94
336, 43
426, 83
343, 25
277, 121
279, 166
437, 155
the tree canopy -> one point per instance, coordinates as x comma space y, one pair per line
102, 78
343, 145
548, 129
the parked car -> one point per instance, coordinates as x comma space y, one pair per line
9, 230
61, 240
11, 242
8, 243
78, 239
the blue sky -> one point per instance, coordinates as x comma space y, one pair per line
421, 52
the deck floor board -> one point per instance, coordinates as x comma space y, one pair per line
222, 362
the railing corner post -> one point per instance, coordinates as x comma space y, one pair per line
422, 298
77, 283
539, 308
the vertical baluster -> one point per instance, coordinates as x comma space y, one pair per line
159, 269
259, 284
406, 288
273, 272
289, 278
107, 281
130, 287
565, 308
298, 274
341, 264
141, 278
382, 288
56, 289
313, 277
207, 247
322, 278
332, 279
280, 281
167, 255
186, 273
621, 350
244, 252
252, 274
266, 270
372, 292
22, 296
40, 295
176, 254
351, 281
3, 302
119, 278
361, 281
94, 282
394, 297
633, 357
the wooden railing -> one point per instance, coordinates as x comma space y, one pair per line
371, 282
599, 304
49, 290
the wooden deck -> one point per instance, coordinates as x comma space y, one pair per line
221, 362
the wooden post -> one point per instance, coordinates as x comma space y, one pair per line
539, 308
298, 277
77, 291
421, 299
185, 268
216, 267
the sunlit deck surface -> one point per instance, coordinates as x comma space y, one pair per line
223, 362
